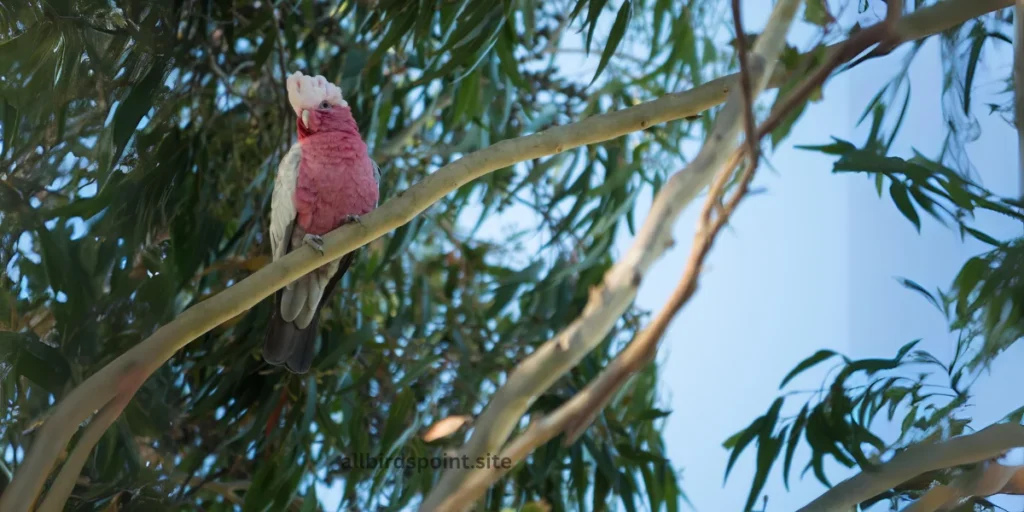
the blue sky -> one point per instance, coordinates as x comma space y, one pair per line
811, 264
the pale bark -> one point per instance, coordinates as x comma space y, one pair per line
986, 444
535, 374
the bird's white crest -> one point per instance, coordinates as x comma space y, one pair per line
307, 92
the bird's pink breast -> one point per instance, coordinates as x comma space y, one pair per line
335, 180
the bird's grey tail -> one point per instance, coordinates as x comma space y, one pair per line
287, 344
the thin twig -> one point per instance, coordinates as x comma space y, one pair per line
646, 341
1018, 79
226, 80
194, 483
741, 55
227, 490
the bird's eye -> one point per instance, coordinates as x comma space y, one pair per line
324, 104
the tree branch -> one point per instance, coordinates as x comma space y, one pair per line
1018, 88
986, 444
750, 124
708, 228
578, 413
986, 479
574, 416
944, 15
65, 481
550, 361
227, 490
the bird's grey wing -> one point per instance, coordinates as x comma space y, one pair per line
282, 202
284, 232
376, 177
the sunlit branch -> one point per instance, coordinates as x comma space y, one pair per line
988, 478
918, 459
460, 487
65, 481
573, 417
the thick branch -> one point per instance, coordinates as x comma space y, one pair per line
65, 481
550, 361
986, 479
921, 458
644, 346
944, 15
578, 412
574, 416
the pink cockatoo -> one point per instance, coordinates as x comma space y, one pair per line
326, 179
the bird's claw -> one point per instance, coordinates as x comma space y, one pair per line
354, 218
314, 241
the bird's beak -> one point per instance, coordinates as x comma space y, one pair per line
305, 118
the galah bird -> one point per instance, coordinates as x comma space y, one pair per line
326, 179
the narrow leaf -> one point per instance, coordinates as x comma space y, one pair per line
615, 36
814, 359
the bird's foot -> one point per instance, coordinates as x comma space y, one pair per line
314, 241
354, 218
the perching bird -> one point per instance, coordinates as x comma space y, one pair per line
326, 179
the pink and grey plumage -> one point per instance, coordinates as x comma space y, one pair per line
327, 178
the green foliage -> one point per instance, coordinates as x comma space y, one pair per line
986, 296
922, 183
837, 419
925, 397
140, 186
987, 292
